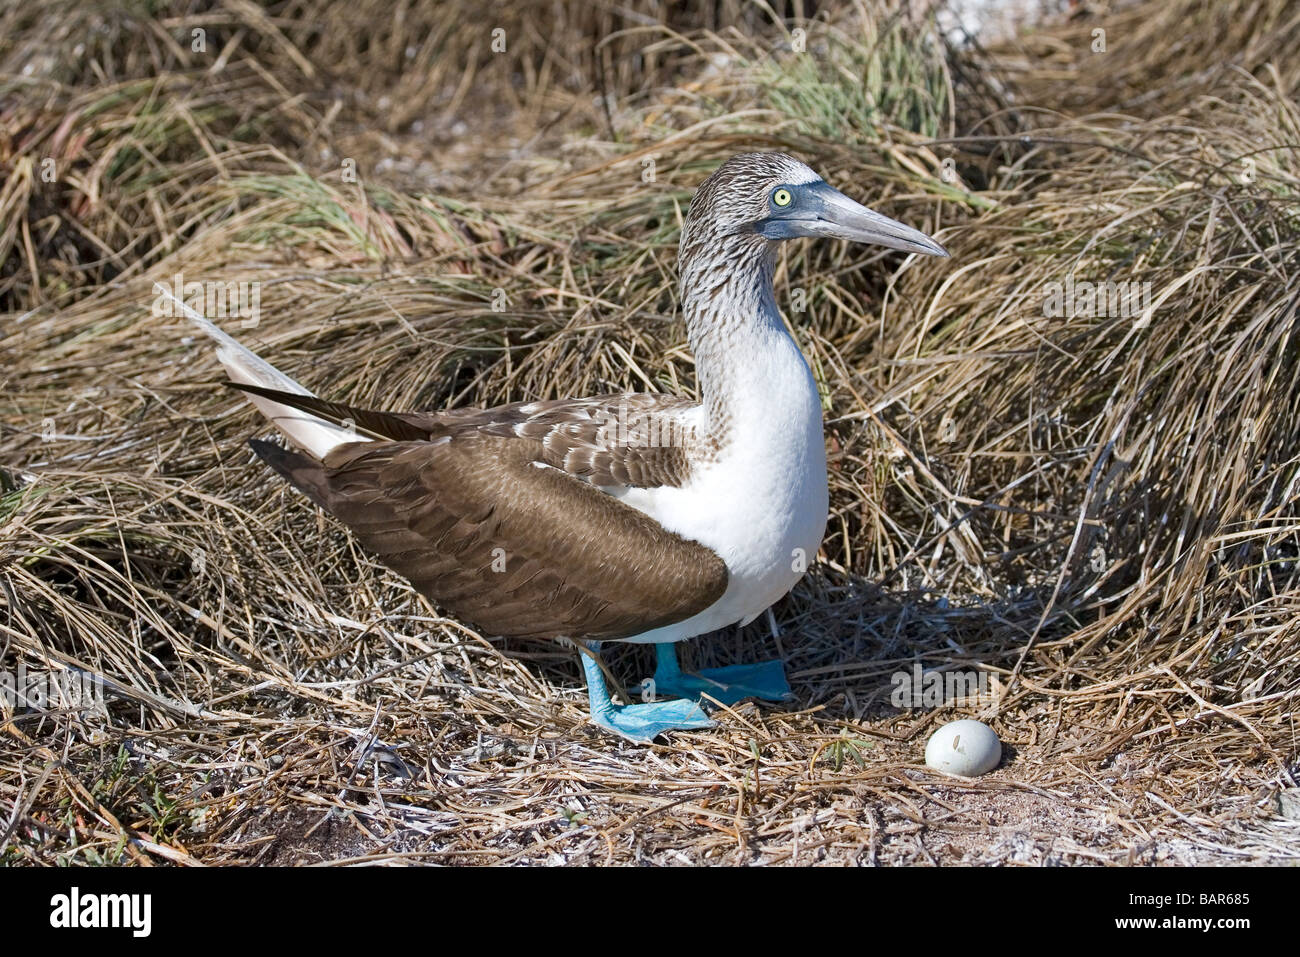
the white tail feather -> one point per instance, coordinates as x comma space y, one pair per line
310, 433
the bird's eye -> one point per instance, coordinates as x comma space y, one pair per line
782, 197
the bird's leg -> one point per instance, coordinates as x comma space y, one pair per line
765, 679
637, 722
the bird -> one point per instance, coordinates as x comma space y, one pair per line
633, 517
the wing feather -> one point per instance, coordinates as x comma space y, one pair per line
475, 526
634, 439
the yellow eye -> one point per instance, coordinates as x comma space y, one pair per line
782, 197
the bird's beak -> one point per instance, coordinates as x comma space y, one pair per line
820, 210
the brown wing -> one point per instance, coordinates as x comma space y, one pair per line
516, 548
613, 440
634, 439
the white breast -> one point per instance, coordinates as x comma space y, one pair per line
761, 504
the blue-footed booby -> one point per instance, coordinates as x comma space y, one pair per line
633, 517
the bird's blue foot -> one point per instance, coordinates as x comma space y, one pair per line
644, 722
638, 722
765, 679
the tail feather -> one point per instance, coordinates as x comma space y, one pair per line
309, 432
298, 470
366, 422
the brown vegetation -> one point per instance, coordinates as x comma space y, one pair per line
1099, 511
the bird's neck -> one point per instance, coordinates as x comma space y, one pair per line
753, 378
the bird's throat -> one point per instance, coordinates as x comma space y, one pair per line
754, 381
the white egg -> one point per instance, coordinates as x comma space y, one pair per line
968, 748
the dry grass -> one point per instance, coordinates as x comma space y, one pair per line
1100, 513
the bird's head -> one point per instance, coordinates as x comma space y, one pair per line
772, 197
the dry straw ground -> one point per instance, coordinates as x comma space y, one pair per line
1100, 512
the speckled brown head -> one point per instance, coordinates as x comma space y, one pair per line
769, 197
737, 217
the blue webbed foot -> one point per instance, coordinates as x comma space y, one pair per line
644, 722
764, 680
638, 722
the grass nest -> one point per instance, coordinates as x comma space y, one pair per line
1095, 509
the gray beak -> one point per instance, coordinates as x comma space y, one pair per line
822, 211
